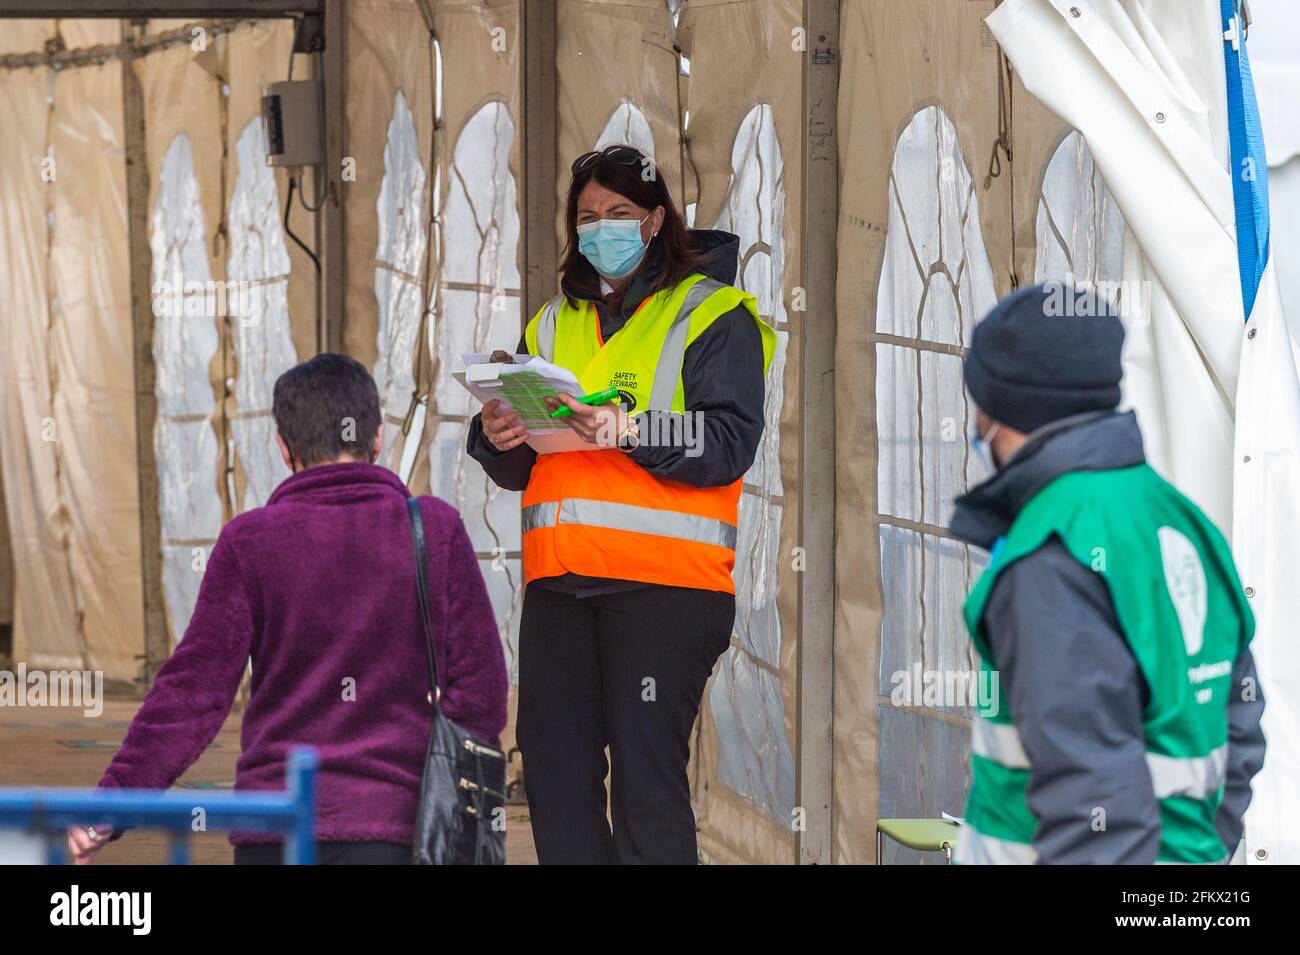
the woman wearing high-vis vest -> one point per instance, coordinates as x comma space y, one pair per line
628, 548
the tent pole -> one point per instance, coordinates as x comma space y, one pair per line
819, 228
539, 243
331, 224
156, 640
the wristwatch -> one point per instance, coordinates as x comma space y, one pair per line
629, 439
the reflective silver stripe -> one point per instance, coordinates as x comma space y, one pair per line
999, 742
538, 515
546, 328
975, 848
669, 368
1197, 777
647, 520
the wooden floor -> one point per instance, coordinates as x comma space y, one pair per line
47, 746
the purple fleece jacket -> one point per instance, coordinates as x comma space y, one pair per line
318, 588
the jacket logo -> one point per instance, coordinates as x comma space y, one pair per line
625, 382
1185, 580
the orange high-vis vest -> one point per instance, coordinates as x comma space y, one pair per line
599, 514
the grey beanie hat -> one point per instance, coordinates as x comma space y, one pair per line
1045, 353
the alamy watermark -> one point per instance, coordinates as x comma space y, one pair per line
937, 689
657, 430
1128, 299
83, 689
178, 297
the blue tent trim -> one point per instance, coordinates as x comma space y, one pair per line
1249, 166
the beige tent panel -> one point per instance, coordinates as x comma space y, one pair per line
610, 53
389, 54
743, 59
46, 620
255, 56
383, 57
481, 52
183, 95
951, 62
91, 350
25, 36
883, 82
742, 54
480, 56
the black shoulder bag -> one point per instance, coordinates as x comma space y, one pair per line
461, 815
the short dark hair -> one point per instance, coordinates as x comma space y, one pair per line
643, 183
326, 407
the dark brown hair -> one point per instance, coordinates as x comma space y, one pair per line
669, 253
327, 407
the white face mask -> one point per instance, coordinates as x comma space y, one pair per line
983, 447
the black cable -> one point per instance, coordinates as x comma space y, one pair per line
288, 207
303, 202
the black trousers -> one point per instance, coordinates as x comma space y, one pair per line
624, 671
328, 853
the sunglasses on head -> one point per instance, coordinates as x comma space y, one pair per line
623, 155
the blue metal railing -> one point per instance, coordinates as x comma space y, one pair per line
291, 812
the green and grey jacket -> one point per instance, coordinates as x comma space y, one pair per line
1127, 727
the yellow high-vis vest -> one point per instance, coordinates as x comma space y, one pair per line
599, 514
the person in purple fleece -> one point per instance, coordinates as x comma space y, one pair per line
317, 588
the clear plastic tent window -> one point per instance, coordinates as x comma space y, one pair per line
755, 758
1079, 229
478, 296
935, 283
627, 126
185, 341
399, 262
259, 272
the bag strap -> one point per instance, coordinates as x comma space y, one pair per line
422, 587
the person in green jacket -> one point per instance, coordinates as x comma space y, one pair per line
1125, 726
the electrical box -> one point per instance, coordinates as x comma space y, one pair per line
291, 114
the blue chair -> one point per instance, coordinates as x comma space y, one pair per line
291, 812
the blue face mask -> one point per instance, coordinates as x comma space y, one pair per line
983, 449
612, 246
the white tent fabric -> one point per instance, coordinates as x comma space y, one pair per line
1274, 42
1218, 398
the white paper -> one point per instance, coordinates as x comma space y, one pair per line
482, 378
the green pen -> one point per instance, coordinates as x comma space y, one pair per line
599, 398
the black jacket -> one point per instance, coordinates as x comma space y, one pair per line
1071, 680
722, 377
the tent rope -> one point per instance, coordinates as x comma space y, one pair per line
58, 58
